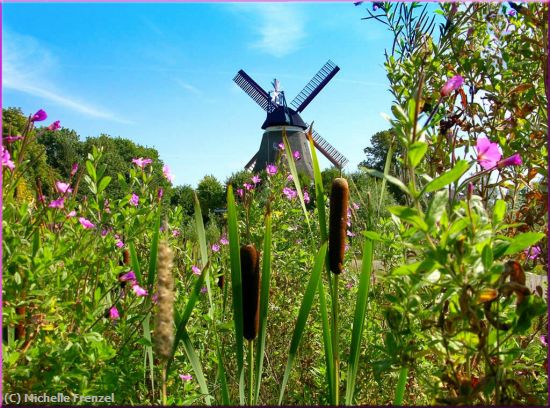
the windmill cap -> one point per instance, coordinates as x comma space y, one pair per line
283, 117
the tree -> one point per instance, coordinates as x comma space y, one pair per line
183, 196
211, 195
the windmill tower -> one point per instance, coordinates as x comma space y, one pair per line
280, 116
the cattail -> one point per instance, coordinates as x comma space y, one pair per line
126, 257
250, 275
164, 322
339, 198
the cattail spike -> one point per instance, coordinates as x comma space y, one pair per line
164, 320
250, 275
339, 200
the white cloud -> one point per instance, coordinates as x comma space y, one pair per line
26, 66
188, 87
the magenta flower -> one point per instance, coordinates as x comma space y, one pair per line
57, 203
74, 169
355, 206
176, 232
349, 285
452, 85
86, 223
297, 155
240, 192
223, 240
186, 377
349, 233
215, 248
166, 171
6, 159
543, 340
306, 197
63, 187
113, 313
533, 252
289, 177
248, 186
289, 193
128, 276
160, 193
11, 139
196, 270
513, 160
141, 162
203, 289
54, 126
71, 214
155, 297
134, 200
256, 179
138, 290
487, 153
281, 146
271, 169
511, 12
119, 243
39, 116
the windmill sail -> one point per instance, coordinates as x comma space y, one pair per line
255, 91
314, 86
251, 163
329, 151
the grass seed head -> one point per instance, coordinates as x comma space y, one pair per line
339, 200
164, 319
250, 275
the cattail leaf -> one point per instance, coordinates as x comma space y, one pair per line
199, 225
303, 314
264, 303
236, 285
154, 251
400, 388
359, 319
148, 351
135, 262
327, 340
319, 189
196, 364
294, 172
221, 374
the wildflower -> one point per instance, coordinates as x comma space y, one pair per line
271, 169
248, 186
533, 252
128, 276
487, 153
119, 243
166, 172
355, 206
513, 160
223, 240
349, 233
306, 197
104, 232
155, 297
11, 139
176, 232
512, 12
57, 203
339, 198
256, 179
141, 162
138, 290
203, 289
164, 319
63, 187
71, 214
281, 146
160, 193
186, 377
250, 277
134, 200
349, 285
452, 85
543, 340
113, 313
289, 177
74, 169
54, 126
41, 198
196, 270
297, 155
6, 159
215, 248
240, 192
289, 193
86, 223
39, 116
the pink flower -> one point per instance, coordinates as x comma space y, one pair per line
166, 172
71, 214
223, 240
306, 197
533, 252
57, 203
41, 198
74, 169
128, 276
281, 146
487, 153
155, 297
355, 206
240, 192
196, 270
141, 162
289, 177
85, 223
39, 116
160, 193
176, 232
63, 187
248, 186
513, 160
289, 193
138, 290
452, 85
186, 377
271, 169
54, 126
203, 289
119, 243
134, 200
297, 155
104, 232
113, 313
256, 179
543, 340
6, 159
349, 285
11, 139
349, 233
215, 248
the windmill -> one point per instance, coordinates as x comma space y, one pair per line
280, 116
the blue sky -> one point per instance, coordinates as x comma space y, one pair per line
161, 74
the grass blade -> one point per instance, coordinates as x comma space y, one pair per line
359, 319
135, 262
305, 308
221, 375
154, 252
196, 364
264, 302
400, 389
236, 285
149, 350
294, 172
199, 224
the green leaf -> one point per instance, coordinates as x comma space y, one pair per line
387, 167
196, 364
294, 172
416, 153
487, 257
303, 314
498, 211
436, 207
91, 170
373, 236
395, 181
359, 319
410, 215
154, 251
400, 389
149, 350
103, 184
135, 263
221, 374
523, 241
199, 225
447, 178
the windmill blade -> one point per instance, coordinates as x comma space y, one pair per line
255, 91
329, 151
248, 166
314, 86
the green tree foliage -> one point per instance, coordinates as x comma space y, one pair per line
183, 196
211, 194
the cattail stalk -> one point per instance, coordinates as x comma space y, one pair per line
338, 218
164, 319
